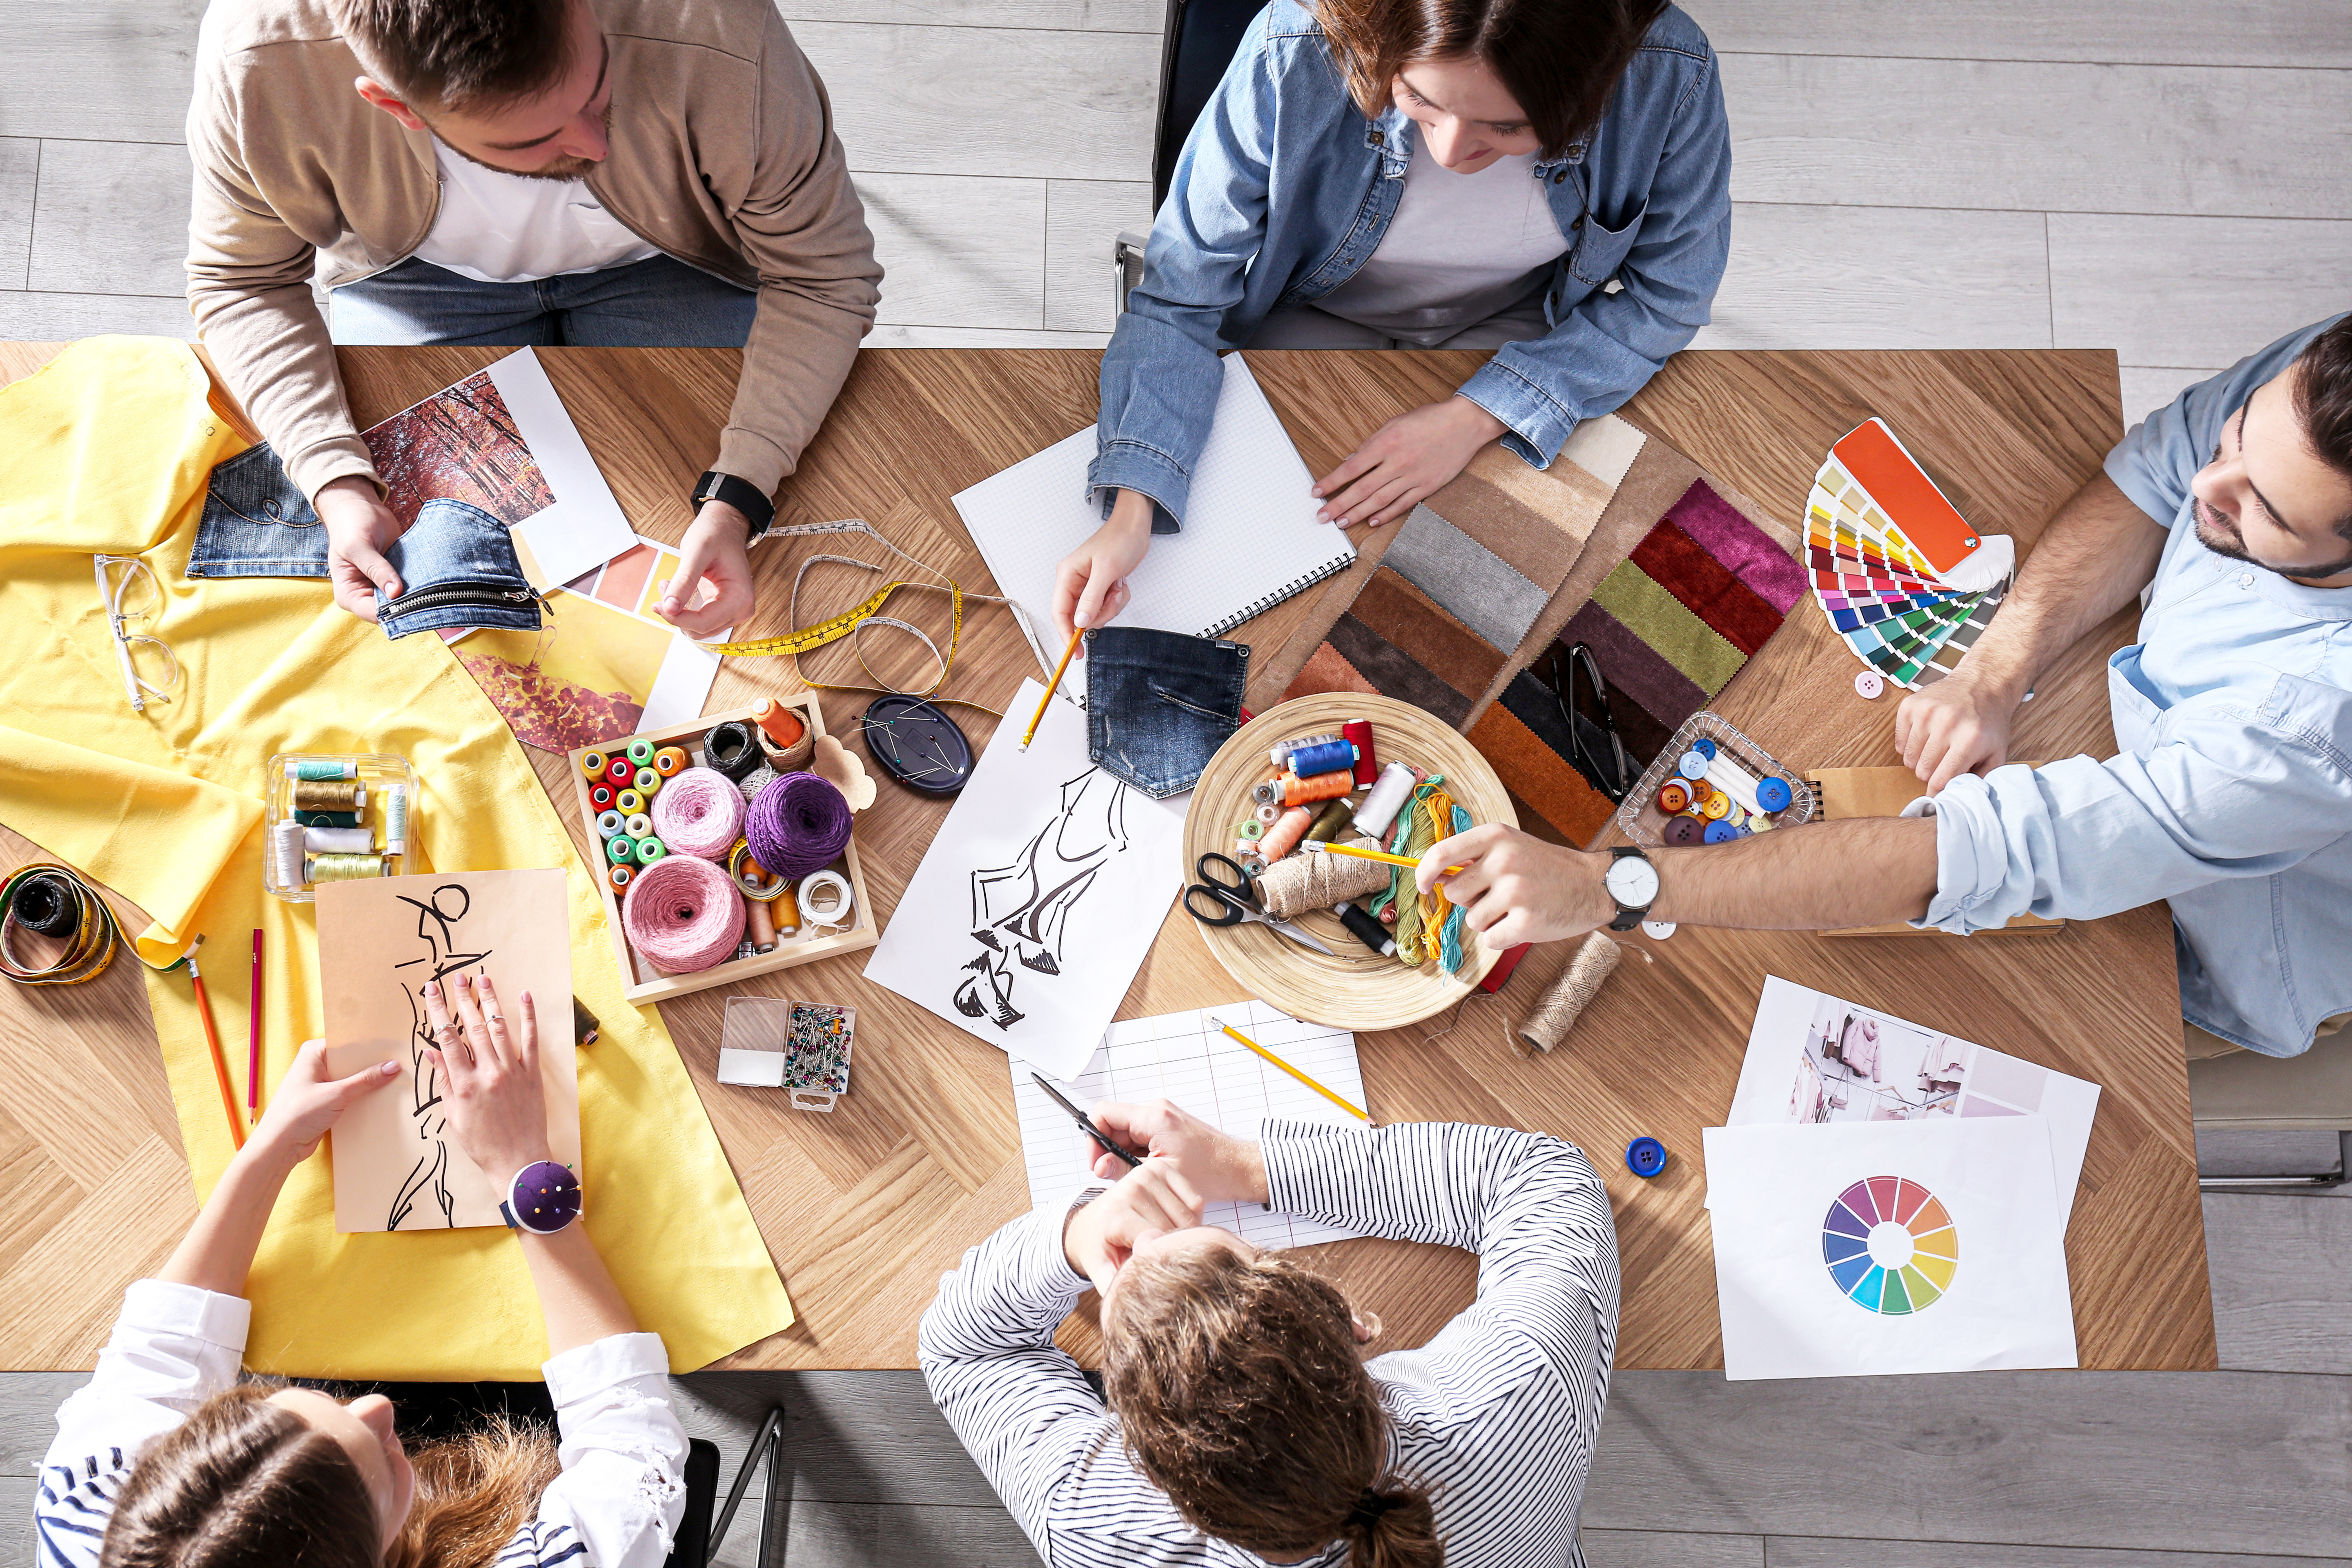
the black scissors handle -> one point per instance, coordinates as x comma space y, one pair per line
1224, 908
1224, 872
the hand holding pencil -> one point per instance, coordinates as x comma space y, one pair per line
1220, 1167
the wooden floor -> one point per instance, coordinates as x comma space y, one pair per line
2157, 177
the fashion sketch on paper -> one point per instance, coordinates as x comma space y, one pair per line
1022, 912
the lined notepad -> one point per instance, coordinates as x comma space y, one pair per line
1184, 1057
1250, 538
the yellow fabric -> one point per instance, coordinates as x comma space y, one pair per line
107, 451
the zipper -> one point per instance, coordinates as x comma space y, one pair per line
486, 595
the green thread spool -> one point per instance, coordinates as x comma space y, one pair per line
650, 850
622, 848
641, 753
646, 781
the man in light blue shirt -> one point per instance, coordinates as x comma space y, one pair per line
2230, 514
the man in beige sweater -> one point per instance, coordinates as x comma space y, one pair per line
523, 172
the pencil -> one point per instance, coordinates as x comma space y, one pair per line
1031, 734
1362, 853
212, 1039
1362, 1116
253, 1036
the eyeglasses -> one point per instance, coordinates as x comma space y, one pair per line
1593, 745
128, 587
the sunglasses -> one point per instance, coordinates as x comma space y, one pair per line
1594, 748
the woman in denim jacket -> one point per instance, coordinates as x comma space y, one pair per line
1427, 173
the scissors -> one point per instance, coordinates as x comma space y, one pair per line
1233, 902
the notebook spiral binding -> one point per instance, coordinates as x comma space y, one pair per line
1291, 589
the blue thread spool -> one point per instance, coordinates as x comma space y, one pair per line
608, 825
1328, 758
1719, 833
1645, 1157
1772, 795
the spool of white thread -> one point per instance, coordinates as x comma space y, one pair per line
337, 841
286, 854
395, 819
1388, 793
825, 899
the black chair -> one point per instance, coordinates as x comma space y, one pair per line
698, 1540
1196, 46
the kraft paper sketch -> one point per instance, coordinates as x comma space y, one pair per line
395, 1164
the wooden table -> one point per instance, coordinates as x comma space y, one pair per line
864, 1208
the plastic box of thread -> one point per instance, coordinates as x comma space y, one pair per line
335, 818
719, 915
1711, 785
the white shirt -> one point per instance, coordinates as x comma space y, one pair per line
1460, 248
1496, 1414
497, 227
616, 1505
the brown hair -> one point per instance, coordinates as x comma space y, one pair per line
1560, 58
1242, 1395
243, 1481
2322, 400
459, 54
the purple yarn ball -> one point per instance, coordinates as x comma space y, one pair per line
798, 824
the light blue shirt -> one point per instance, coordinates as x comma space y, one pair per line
2230, 792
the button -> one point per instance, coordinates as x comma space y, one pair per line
1674, 797
1868, 683
1378, 140
2245, 579
1658, 929
1560, 176
1682, 832
1705, 748
1577, 225
1693, 765
1772, 795
1645, 1157
1716, 806
1719, 833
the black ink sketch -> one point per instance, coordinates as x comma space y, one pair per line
436, 927
1020, 912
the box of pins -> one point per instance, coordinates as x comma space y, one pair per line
1712, 784
334, 818
787, 920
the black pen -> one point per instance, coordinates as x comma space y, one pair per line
1086, 1122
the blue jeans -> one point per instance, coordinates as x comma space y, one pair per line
1159, 704
654, 303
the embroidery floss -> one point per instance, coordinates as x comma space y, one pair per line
683, 914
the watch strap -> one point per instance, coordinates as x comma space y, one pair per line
741, 494
1627, 918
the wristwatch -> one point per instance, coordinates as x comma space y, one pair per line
1633, 882
542, 1198
741, 494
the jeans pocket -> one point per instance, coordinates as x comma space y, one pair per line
1159, 704
257, 523
457, 567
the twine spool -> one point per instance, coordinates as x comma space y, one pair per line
345, 867
758, 779
825, 899
799, 824
330, 795
683, 914
730, 749
700, 813
1291, 887
1557, 1010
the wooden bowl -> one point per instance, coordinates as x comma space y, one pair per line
1357, 989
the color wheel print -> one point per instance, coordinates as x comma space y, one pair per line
1890, 1246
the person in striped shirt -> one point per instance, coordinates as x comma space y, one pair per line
1245, 1421
165, 1457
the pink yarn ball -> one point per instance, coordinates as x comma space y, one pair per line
683, 914
700, 813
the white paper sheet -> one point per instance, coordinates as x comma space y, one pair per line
585, 527
1038, 898
1799, 1300
1185, 1058
1794, 1072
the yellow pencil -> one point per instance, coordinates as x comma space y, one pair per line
1362, 853
1362, 1116
1031, 734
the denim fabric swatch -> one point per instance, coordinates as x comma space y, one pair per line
457, 568
1159, 704
257, 523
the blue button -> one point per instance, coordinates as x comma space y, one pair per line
1645, 1157
1719, 833
1704, 747
1772, 795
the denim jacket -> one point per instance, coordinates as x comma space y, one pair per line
1284, 190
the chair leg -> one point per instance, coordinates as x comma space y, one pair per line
767, 1445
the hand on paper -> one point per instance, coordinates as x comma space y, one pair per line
1515, 888
712, 555
1221, 1167
487, 1065
1151, 1200
1958, 725
1405, 460
359, 528
307, 1102
1090, 585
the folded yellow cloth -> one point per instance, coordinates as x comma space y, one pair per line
107, 451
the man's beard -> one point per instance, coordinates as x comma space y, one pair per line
2216, 535
562, 169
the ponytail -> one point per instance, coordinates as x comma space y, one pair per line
1393, 1526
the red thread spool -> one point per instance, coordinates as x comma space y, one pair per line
602, 797
619, 772
1367, 767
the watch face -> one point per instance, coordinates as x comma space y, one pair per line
1633, 881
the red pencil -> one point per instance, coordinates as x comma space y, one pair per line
212, 1039
253, 1036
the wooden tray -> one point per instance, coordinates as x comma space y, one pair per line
1356, 989
641, 982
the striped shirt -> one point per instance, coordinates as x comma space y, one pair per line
1496, 1414
616, 1504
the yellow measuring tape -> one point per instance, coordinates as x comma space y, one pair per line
812, 637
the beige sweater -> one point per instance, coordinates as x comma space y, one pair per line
723, 155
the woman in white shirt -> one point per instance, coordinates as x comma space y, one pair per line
165, 1457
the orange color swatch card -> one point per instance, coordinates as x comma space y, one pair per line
1920, 512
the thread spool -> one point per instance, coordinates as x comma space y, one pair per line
646, 781
618, 772
1309, 762
620, 849
787, 909
288, 852
825, 899
799, 824
1388, 796
752, 879
1330, 820
700, 813
609, 823
650, 850
395, 819
328, 818
301, 768
345, 867
1295, 791
641, 753
1283, 836
671, 761
601, 797
1557, 1010
783, 738
728, 749
620, 877
628, 802
1267, 816
330, 795
337, 841
1291, 887
1279, 752
638, 827
1358, 732
763, 924
1251, 863
1367, 930
1249, 832
682, 915
592, 765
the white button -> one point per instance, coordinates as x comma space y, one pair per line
2245, 579
1868, 683
1661, 929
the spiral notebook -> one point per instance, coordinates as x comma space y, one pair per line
1250, 538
